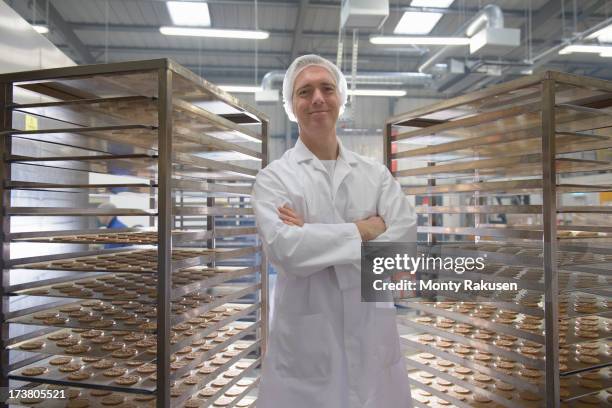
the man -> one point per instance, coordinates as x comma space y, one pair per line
110, 222
314, 207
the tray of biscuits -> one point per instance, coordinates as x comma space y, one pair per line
142, 260
128, 286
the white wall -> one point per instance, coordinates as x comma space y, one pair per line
22, 48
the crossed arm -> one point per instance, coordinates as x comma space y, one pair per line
303, 248
369, 229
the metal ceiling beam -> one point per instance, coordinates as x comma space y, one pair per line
220, 69
57, 21
151, 29
299, 27
190, 52
232, 53
335, 5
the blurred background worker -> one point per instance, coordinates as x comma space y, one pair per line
314, 208
110, 222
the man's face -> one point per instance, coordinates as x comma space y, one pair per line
316, 103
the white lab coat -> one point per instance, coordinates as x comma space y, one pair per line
326, 348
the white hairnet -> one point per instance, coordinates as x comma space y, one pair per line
294, 70
107, 206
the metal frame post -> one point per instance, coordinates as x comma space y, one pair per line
152, 203
211, 243
549, 220
6, 123
164, 230
387, 145
263, 271
431, 182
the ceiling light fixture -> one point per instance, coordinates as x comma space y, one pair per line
414, 22
189, 13
376, 92
431, 3
585, 48
41, 29
214, 32
415, 40
603, 35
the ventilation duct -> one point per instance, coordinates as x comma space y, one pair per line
487, 36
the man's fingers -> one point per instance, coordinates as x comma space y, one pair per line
288, 218
288, 211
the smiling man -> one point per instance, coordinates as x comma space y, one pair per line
314, 207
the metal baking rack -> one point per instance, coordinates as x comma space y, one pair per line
500, 173
241, 386
191, 276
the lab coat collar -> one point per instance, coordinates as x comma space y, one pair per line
302, 153
345, 162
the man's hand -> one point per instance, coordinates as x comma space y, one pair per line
290, 217
370, 228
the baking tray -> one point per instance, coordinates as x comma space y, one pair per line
145, 384
126, 236
96, 402
237, 311
468, 382
241, 400
459, 360
573, 387
220, 343
190, 390
71, 211
577, 303
571, 365
514, 254
143, 136
141, 320
132, 287
114, 261
414, 382
186, 187
521, 329
143, 108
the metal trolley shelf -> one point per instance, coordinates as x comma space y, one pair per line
169, 313
519, 174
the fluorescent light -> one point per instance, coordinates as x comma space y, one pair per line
413, 22
41, 29
240, 88
431, 3
606, 54
213, 32
603, 35
189, 13
376, 92
595, 49
406, 40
